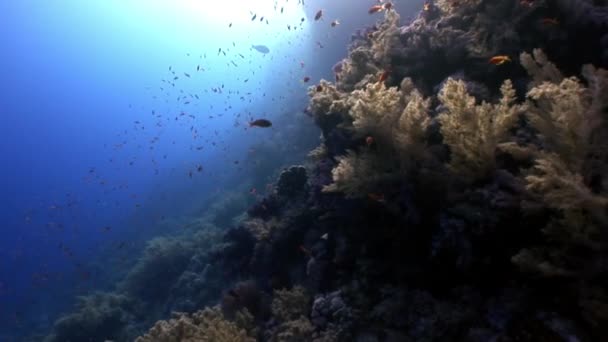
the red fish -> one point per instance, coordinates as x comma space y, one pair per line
375, 9
384, 76
499, 60
549, 21
369, 140
376, 197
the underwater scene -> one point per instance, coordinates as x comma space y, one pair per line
304, 170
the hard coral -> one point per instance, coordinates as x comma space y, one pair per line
208, 325
292, 181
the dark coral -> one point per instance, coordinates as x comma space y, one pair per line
292, 181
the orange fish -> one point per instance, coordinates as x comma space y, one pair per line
499, 60
375, 9
549, 21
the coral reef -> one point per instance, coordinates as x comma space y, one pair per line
450, 199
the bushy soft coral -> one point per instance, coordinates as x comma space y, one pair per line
297, 330
473, 132
569, 118
207, 325
539, 67
358, 174
163, 261
396, 120
290, 310
567, 115
99, 317
290, 304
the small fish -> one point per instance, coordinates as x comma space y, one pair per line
369, 140
376, 197
199, 168
260, 123
499, 60
319, 15
304, 250
384, 76
261, 48
254, 16
306, 79
187, 74
526, 3
334, 23
230, 25
375, 9
302, 64
549, 21
426, 7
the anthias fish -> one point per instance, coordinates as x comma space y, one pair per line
260, 123
319, 15
261, 48
498, 60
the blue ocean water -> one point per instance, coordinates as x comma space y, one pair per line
117, 116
